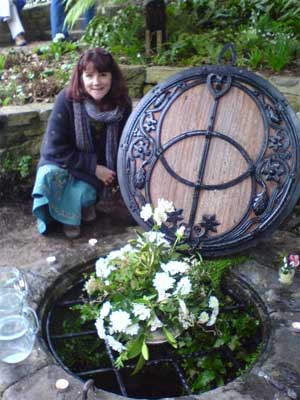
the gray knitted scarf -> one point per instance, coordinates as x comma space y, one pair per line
87, 110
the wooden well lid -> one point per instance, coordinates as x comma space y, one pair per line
221, 143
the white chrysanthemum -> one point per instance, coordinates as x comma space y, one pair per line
103, 269
213, 302
163, 281
175, 267
180, 232
146, 212
100, 328
105, 309
155, 324
141, 311
119, 321
185, 318
203, 317
184, 286
213, 317
183, 307
157, 237
120, 254
114, 344
132, 330
91, 286
159, 216
165, 206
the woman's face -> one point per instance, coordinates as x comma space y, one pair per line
96, 84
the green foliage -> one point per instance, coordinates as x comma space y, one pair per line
21, 166
2, 62
122, 34
235, 330
266, 32
56, 49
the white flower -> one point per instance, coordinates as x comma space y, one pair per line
132, 330
141, 311
105, 309
156, 237
103, 269
155, 324
163, 281
183, 307
146, 212
119, 321
213, 302
203, 317
91, 285
213, 317
180, 232
114, 344
159, 216
175, 267
120, 254
100, 328
184, 286
165, 206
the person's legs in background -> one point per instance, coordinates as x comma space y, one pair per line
57, 18
15, 26
89, 14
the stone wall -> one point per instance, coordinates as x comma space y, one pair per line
22, 127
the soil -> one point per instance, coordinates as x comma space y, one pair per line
21, 244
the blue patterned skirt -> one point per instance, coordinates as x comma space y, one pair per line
59, 196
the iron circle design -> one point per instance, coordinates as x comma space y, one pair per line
221, 143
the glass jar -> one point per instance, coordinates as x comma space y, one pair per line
17, 336
11, 277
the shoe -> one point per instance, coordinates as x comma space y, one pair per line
59, 37
20, 40
72, 231
88, 214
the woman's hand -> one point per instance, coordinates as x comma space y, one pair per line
105, 175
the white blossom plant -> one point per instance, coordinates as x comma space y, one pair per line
147, 287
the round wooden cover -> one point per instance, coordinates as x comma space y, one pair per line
222, 144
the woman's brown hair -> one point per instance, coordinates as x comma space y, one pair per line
103, 61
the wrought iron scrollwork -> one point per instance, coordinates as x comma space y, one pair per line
273, 168
273, 114
260, 202
218, 85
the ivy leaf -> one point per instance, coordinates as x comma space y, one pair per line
170, 338
145, 350
135, 347
206, 377
219, 342
139, 364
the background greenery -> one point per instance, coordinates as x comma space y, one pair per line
265, 33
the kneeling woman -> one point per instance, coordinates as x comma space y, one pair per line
79, 149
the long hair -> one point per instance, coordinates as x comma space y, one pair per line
102, 61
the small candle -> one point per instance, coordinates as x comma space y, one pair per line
62, 384
93, 242
51, 259
296, 326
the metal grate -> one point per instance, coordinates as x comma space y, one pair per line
149, 383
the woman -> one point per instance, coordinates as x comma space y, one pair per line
9, 13
79, 150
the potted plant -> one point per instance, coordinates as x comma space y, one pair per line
146, 292
288, 268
